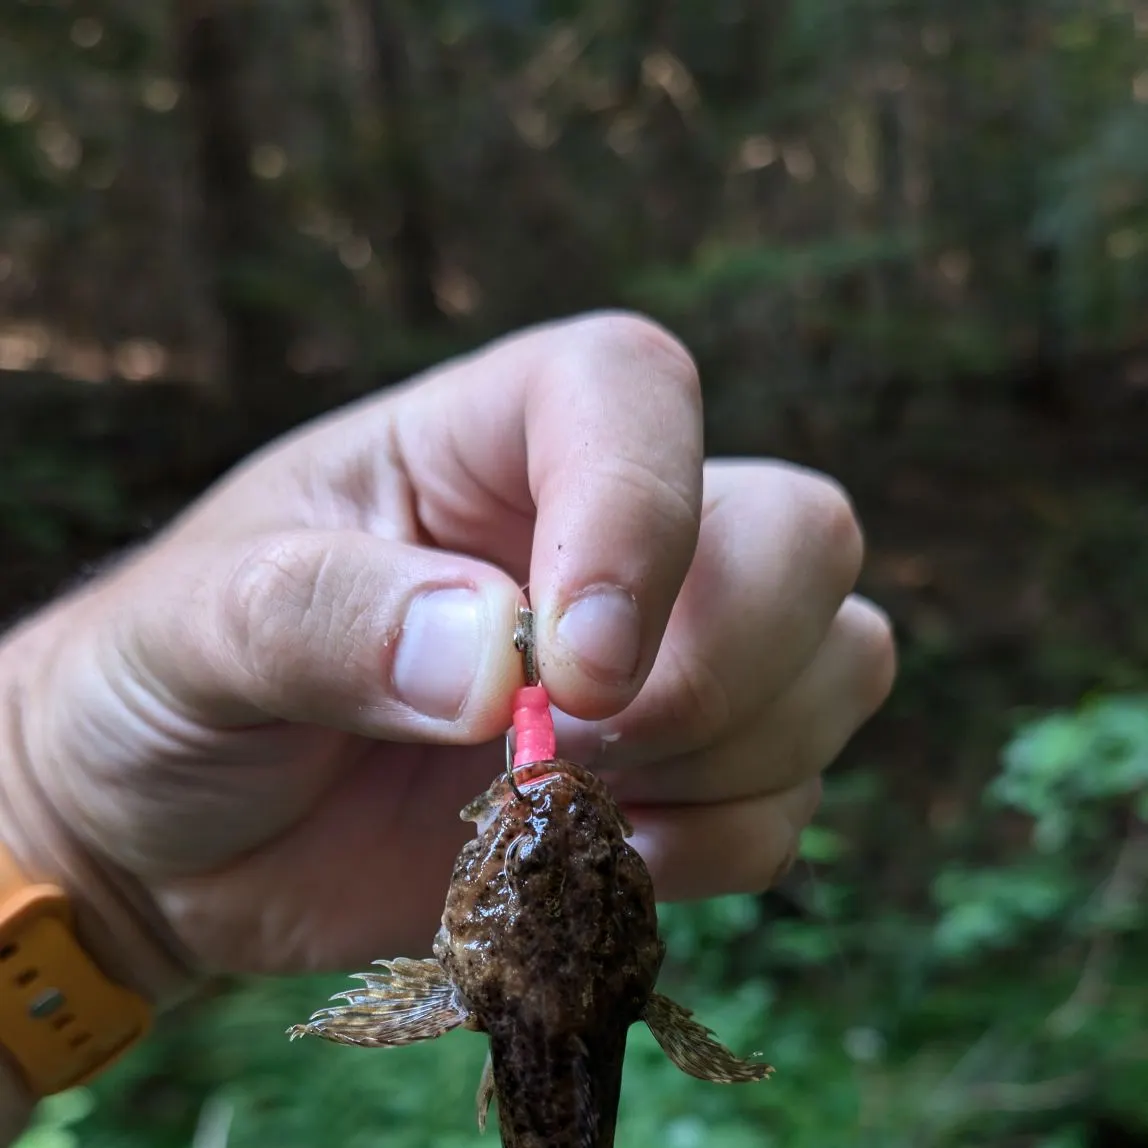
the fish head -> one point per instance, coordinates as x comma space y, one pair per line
515, 806
550, 915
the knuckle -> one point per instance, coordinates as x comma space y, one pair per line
674, 501
834, 527
274, 596
764, 837
810, 795
879, 653
638, 336
797, 807
788, 815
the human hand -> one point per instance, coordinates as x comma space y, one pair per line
260, 727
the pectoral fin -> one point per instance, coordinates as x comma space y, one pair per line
485, 1093
411, 1001
692, 1046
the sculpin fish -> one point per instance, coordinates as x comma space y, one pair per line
549, 944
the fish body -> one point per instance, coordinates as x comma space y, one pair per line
549, 944
551, 935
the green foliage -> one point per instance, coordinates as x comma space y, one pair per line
1066, 769
1082, 777
987, 909
55, 1120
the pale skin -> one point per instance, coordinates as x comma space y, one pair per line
249, 720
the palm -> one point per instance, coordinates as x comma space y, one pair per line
361, 875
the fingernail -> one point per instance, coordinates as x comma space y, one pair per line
601, 629
439, 652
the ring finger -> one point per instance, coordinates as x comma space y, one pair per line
733, 847
792, 739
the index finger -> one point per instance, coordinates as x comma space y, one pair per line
590, 432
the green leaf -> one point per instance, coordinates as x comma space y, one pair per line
52, 1125
821, 845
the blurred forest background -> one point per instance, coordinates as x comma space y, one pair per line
908, 242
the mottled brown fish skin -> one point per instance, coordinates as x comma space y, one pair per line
550, 934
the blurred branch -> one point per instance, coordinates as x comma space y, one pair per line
1125, 885
214, 1126
965, 1089
1039, 1096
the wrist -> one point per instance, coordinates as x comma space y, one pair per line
116, 920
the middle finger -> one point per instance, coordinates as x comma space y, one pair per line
779, 551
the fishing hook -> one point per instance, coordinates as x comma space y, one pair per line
524, 644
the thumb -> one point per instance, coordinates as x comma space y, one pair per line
337, 628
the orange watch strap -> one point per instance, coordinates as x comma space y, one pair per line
62, 1021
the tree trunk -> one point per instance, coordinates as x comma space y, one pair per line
257, 335
413, 248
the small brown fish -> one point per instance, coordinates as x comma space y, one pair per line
549, 943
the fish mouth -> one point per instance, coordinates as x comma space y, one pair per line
535, 773
538, 779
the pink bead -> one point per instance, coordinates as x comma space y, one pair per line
533, 726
